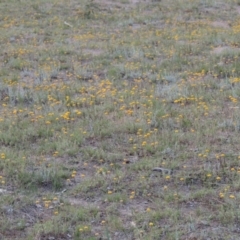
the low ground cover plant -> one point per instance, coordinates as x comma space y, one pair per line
119, 119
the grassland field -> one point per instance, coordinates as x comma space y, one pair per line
120, 120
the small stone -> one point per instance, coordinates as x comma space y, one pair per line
51, 238
12, 39
3, 190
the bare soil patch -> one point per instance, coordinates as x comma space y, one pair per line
238, 9
221, 49
220, 24
93, 52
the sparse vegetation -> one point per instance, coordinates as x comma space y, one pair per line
95, 95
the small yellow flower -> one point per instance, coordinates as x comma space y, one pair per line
150, 224
231, 196
221, 195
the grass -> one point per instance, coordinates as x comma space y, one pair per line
95, 95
